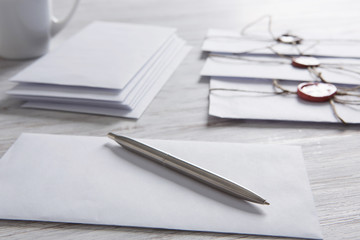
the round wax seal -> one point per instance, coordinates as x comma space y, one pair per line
289, 39
316, 92
305, 62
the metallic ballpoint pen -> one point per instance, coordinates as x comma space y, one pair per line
188, 169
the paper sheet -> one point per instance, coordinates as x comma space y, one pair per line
93, 95
106, 69
93, 180
231, 41
253, 105
119, 54
137, 111
102, 97
280, 68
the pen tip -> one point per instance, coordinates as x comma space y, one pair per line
111, 135
266, 203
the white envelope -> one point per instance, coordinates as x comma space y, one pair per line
126, 98
262, 106
103, 55
140, 103
93, 180
280, 68
232, 41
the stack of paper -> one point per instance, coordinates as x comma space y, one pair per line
56, 178
107, 68
242, 69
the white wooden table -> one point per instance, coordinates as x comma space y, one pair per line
332, 152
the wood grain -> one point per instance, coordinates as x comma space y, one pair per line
332, 152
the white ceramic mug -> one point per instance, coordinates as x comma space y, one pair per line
26, 27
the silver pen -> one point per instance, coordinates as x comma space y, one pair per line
188, 169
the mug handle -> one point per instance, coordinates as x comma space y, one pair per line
57, 25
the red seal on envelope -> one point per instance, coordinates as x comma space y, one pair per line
289, 39
316, 92
305, 62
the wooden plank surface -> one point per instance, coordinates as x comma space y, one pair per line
332, 152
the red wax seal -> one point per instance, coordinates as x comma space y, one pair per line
305, 62
316, 92
289, 39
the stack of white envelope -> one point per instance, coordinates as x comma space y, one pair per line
242, 69
107, 68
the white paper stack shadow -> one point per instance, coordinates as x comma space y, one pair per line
107, 68
242, 69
